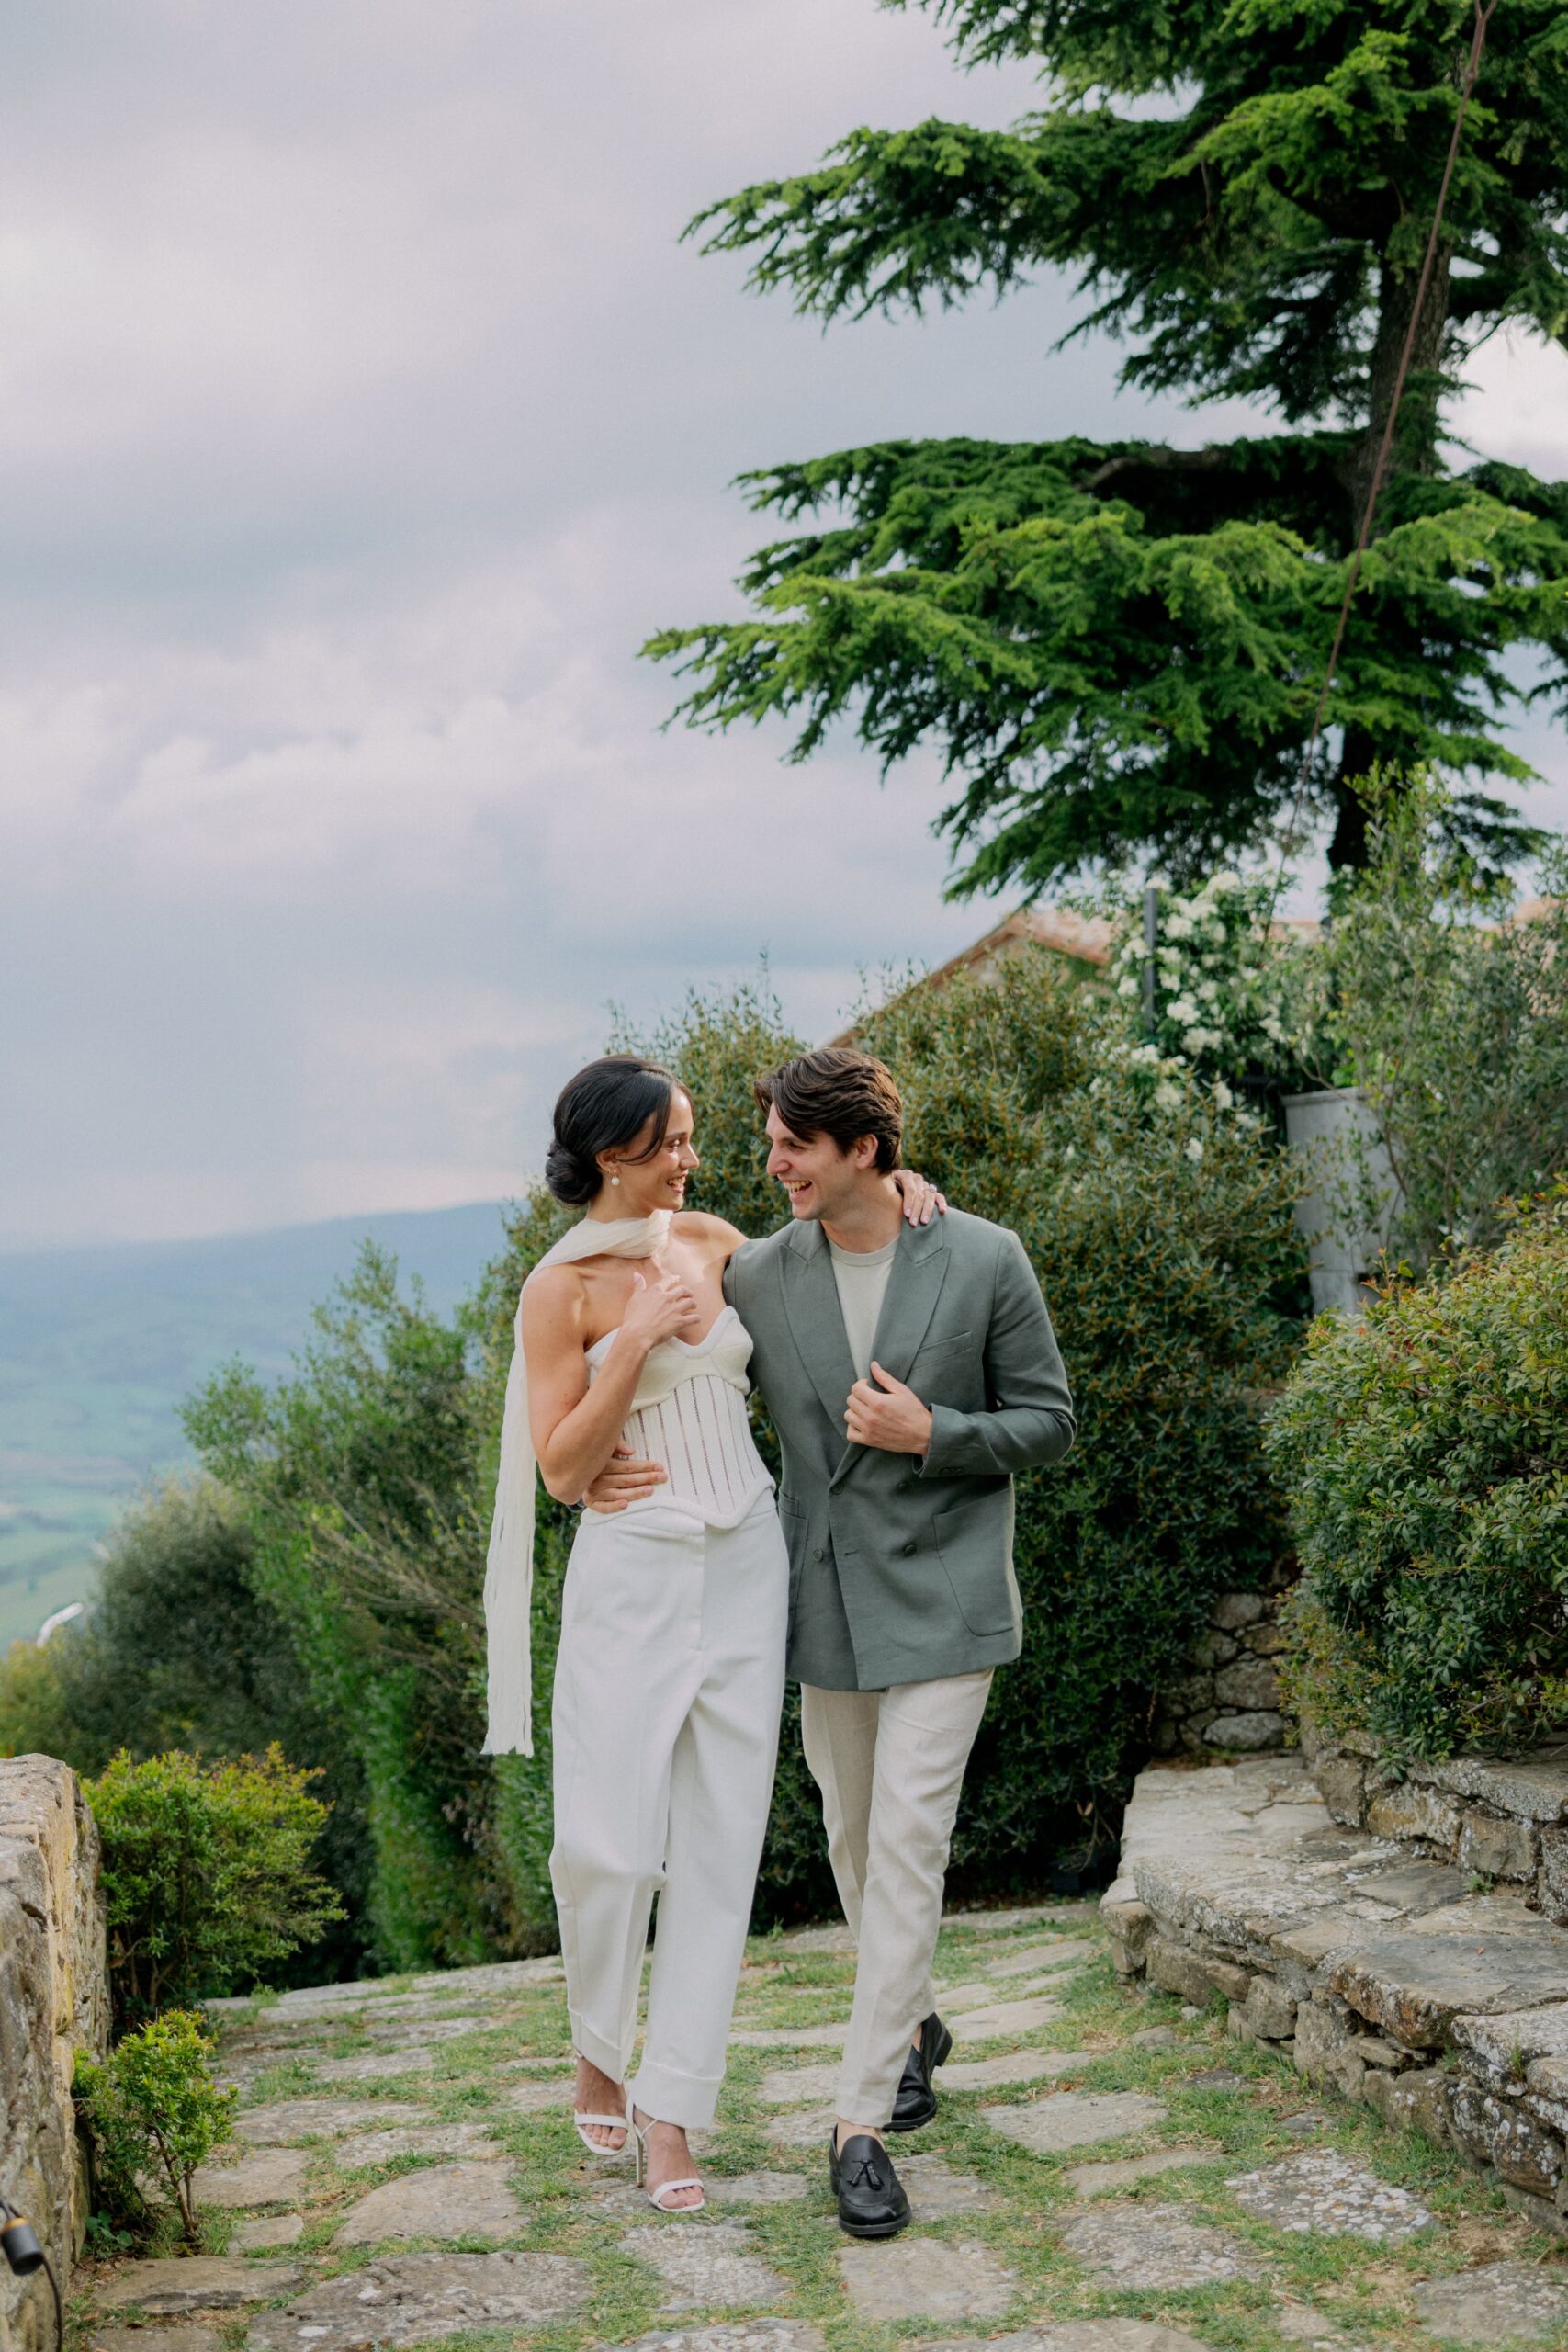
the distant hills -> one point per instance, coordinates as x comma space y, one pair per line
99, 1347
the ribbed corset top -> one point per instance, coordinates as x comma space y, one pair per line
689, 1412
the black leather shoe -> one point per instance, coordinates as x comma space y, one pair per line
916, 2102
872, 2203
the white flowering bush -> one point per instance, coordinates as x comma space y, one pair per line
1228, 995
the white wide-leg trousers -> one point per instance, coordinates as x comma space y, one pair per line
890, 1767
669, 1682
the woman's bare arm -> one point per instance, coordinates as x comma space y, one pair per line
576, 1422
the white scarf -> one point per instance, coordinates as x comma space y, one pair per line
509, 1571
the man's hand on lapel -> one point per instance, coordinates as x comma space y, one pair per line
889, 1417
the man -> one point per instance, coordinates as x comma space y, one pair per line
911, 1371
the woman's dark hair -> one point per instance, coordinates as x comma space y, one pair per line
605, 1107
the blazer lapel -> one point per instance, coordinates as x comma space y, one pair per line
817, 1323
919, 1269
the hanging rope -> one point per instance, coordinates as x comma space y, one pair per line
1477, 48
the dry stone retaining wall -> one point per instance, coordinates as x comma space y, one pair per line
1505, 1822
1389, 1975
1229, 1697
53, 2002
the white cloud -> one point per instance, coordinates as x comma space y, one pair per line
360, 413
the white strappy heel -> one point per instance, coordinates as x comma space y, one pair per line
585, 2123
656, 2197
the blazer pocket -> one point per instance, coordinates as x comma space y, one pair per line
972, 1545
948, 1339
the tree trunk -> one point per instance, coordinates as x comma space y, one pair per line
1413, 450
1415, 446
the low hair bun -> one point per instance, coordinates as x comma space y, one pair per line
569, 1178
611, 1105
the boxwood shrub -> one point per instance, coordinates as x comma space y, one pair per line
1425, 1451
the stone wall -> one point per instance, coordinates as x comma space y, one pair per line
1400, 1980
53, 2002
1229, 1699
1504, 1823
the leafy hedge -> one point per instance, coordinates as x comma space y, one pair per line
1426, 1455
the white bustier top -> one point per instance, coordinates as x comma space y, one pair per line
689, 1412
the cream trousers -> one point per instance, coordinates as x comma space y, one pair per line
890, 1767
669, 1682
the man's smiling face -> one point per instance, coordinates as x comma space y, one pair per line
821, 1180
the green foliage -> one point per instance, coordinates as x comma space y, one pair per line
367, 1479
1228, 995
154, 2113
1454, 1027
179, 1650
207, 1874
1426, 1455
1120, 645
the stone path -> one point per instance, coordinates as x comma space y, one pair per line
1109, 2172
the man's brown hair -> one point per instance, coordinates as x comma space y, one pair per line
836, 1091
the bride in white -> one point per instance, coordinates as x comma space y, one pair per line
670, 1674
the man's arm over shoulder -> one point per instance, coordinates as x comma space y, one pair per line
746, 1263
1031, 1420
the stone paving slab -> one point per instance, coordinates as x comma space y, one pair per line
1014, 2066
937, 2191
798, 2085
1319, 2191
1501, 2303
268, 2229
189, 2338
413, 2140
907, 2277
973, 1994
1084, 2336
271, 2177
195, 2282
705, 2263
305, 2119
1416, 1983
472, 2200
1057, 1951
792, 2037
1154, 2247
420, 2297
625, 2197
538, 2098
803, 2127
731, 2335
1003, 2017
1110, 2179
376, 2065
1064, 2119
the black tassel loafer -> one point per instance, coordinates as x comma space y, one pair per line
916, 2102
872, 2203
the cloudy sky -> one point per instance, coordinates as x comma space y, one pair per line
359, 415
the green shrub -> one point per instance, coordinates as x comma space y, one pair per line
154, 2114
1426, 1455
207, 1874
180, 1650
1453, 1022
366, 1486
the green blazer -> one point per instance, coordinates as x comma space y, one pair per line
902, 1571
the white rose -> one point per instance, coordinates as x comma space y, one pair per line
1129, 987
1178, 927
1167, 1096
1223, 1094
1193, 1148
1184, 1010
1225, 881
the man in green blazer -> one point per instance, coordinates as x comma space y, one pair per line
911, 1371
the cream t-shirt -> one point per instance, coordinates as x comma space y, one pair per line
862, 1278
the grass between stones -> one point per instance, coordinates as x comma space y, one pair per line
1360, 2291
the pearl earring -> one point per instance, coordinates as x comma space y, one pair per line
615, 1180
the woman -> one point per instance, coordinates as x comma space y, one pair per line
670, 1674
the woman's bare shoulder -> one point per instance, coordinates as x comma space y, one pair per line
709, 1232
554, 1290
